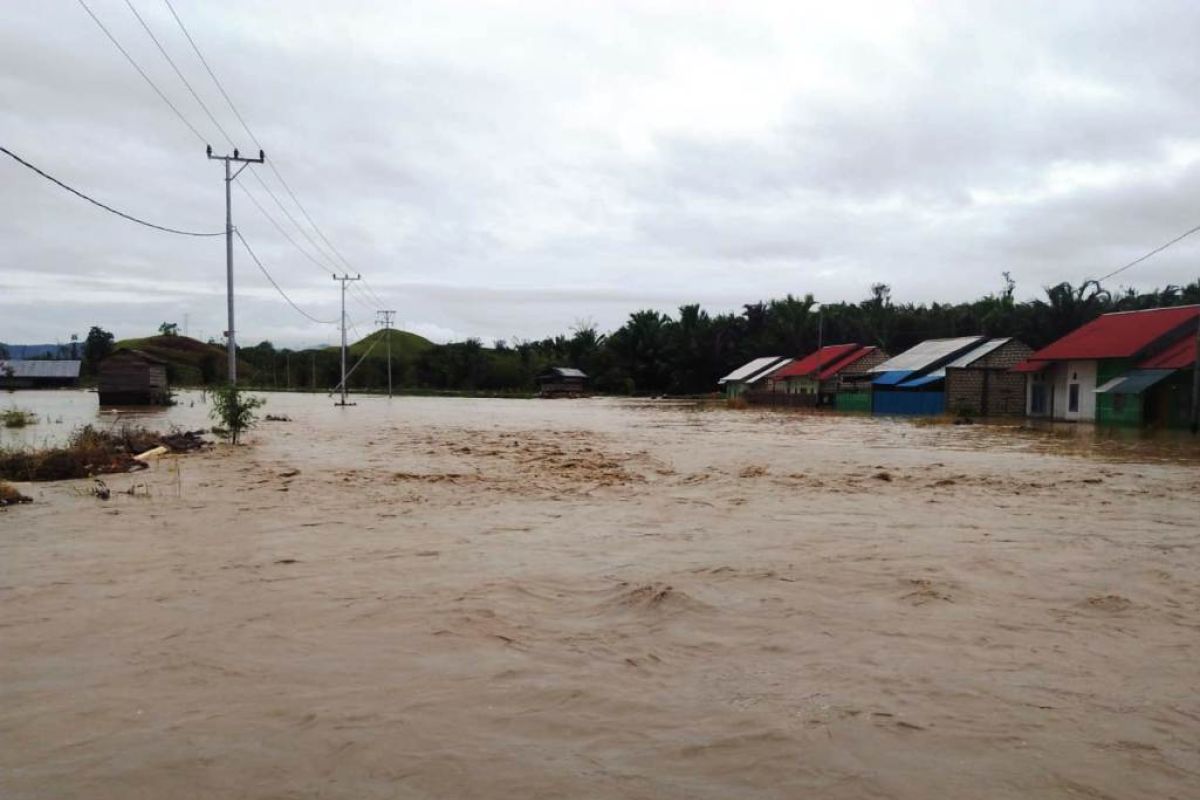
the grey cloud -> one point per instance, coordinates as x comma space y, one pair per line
505, 172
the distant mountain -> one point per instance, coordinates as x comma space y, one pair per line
36, 351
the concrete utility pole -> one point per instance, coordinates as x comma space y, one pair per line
344, 279
230, 338
384, 318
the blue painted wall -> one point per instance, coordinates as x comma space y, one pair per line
918, 403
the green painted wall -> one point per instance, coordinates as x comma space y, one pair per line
1111, 409
801, 386
1171, 400
1119, 410
853, 401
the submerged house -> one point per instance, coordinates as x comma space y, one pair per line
562, 382
815, 380
1124, 368
133, 378
968, 374
751, 374
19, 373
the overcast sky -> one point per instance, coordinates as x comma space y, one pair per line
505, 170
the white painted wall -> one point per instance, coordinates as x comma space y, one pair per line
1061, 376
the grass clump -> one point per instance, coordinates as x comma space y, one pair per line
88, 452
9, 496
17, 418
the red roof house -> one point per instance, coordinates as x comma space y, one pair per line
1118, 369
1124, 334
814, 379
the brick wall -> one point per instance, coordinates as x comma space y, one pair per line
994, 392
1006, 355
986, 387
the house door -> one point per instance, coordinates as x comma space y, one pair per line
1073, 400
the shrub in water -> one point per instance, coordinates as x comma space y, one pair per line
234, 410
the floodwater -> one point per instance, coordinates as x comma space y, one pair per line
463, 598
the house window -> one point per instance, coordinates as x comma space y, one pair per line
1073, 398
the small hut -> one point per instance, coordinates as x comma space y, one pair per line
133, 378
562, 382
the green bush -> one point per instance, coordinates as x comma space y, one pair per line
234, 410
17, 418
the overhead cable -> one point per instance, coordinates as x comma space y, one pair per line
142, 72
282, 293
179, 72
279, 228
361, 359
107, 208
1153, 252
245, 126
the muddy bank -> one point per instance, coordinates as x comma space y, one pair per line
500, 598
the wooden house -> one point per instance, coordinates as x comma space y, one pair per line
133, 378
562, 382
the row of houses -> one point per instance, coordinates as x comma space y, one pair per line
1125, 368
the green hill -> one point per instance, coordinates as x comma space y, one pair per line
189, 361
404, 344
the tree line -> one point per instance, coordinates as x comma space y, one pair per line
686, 353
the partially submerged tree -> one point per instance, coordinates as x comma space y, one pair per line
234, 409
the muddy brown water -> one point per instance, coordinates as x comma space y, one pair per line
438, 598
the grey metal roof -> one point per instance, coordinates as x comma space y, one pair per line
28, 368
928, 352
971, 356
752, 368
1134, 382
762, 373
568, 372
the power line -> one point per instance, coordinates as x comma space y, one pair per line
142, 72
374, 294
178, 72
1153, 252
363, 301
361, 359
282, 232
95, 202
292, 219
211, 74
287, 188
282, 293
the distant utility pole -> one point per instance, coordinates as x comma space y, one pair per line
344, 279
230, 338
385, 317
